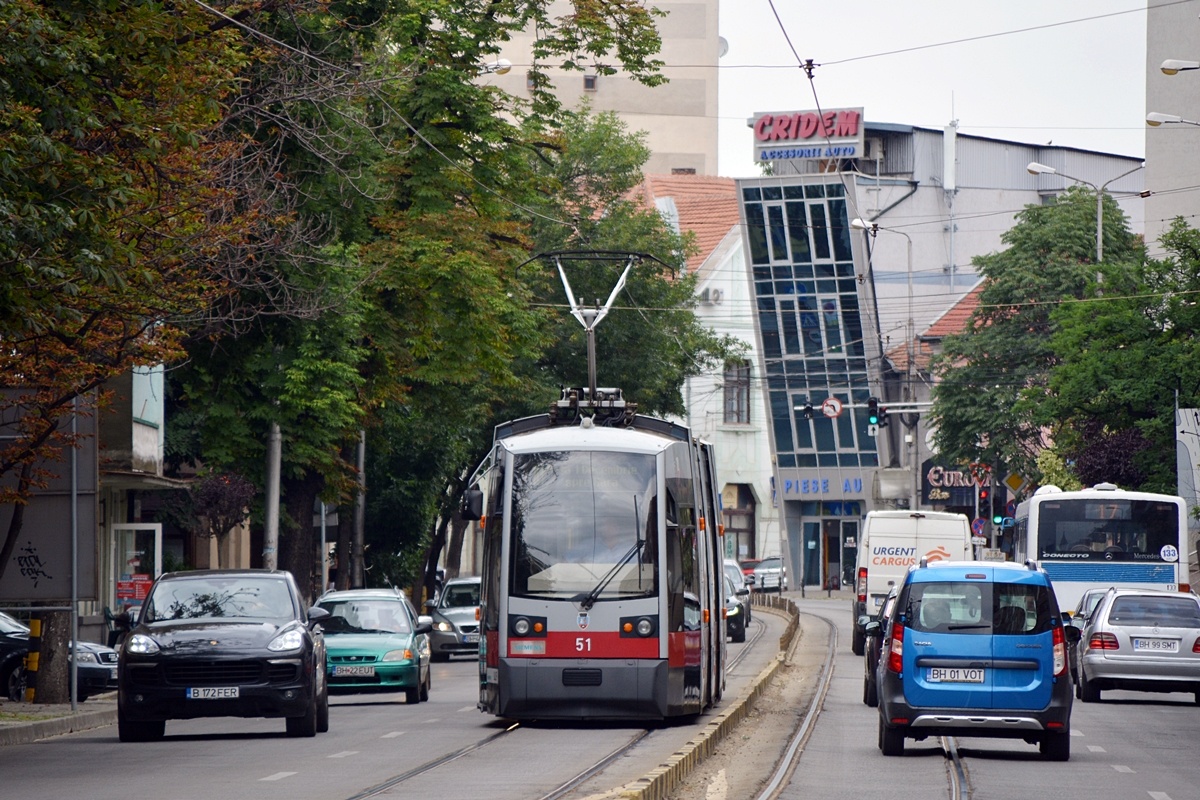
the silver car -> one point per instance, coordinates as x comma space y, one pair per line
771, 575
455, 619
1141, 640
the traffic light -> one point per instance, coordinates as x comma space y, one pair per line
873, 411
808, 411
998, 508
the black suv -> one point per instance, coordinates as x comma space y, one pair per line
223, 643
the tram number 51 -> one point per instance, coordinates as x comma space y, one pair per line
583, 644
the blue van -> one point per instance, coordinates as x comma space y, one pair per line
975, 648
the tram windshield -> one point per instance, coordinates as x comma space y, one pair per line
583, 524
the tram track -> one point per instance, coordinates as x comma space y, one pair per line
756, 632
957, 788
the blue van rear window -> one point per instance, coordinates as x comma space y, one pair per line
978, 608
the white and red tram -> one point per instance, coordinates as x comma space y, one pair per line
573, 627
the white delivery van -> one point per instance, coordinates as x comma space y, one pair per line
893, 541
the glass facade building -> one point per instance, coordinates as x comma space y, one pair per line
820, 359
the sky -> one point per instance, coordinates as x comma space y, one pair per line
1071, 72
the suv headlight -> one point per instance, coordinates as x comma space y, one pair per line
84, 657
142, 645
288, 640
444, 626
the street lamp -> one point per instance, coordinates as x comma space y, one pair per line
873, 229
1041, 169
1154, 119
1173, 66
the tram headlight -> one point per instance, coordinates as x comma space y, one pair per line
521, 626
645, 626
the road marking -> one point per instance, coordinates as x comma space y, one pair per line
430, 721
1076, 733
1122, 768
468, 708
1095, 748
392, 735
343, 754
278, 776
1159, 796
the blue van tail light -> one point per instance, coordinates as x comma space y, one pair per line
896, 648
1060, 651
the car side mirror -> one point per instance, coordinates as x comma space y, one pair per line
869, 625
431, 604
1072, 634
743, 592
424, 624
316, 614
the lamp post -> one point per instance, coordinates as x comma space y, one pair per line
1154, 119
873, 229
1041, 169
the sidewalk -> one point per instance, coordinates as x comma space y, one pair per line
22, 723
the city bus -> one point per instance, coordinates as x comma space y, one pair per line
1104, 536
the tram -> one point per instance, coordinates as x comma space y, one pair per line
602, 593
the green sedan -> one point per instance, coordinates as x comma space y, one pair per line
375, 640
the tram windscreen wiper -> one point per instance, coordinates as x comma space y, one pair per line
588, 599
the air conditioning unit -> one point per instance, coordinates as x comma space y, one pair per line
873, 149
712, 296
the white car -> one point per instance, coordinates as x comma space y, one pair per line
771, 575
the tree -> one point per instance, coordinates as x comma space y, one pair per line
1123, 362
994, 377
213, 505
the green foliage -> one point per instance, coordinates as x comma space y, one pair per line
994, 377
1121, 359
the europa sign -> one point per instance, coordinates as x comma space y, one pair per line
836, 133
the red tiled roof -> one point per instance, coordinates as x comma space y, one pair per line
707, 207
954, 320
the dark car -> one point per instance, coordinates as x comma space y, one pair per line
875, 629
737, 600
1141, 640
223, 643
976, 648
455, 619
96, 670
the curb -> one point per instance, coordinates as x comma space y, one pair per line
27, 732
660, 782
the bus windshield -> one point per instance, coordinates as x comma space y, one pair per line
577, 516
1110, 529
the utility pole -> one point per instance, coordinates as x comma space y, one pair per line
358, 565
271, 524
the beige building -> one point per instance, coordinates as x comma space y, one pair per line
679, 118
1172, 170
